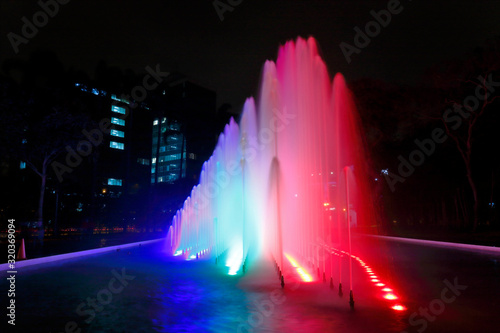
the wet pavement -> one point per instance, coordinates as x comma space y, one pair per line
143, 289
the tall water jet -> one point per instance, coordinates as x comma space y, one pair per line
277, 181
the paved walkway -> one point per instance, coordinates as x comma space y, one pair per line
143, 289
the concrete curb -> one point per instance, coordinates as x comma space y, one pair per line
460, 246
44, 260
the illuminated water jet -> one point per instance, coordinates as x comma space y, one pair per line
291, 177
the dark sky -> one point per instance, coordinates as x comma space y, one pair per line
227, 56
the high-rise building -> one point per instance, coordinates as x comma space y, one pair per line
168, 162
184, 132
120, 169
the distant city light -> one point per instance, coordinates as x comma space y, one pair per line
384, 171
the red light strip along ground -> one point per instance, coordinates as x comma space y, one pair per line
388, 293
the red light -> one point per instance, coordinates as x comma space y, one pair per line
398, 307
390, 296
302, 272
380, 284
387, 289
375, 280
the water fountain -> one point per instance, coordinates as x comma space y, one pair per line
287, 178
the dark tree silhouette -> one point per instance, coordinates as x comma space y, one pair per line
467, 89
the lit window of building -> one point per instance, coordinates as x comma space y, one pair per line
117, 121
114, 182
119, 99
118, 109
117, 145
117, 133
143, 161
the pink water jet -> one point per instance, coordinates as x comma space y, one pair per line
276, 182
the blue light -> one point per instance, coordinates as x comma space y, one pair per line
117, 121
116, 145
115, 182
118, 109
117, 133
119, 99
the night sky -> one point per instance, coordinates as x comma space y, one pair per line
227, 56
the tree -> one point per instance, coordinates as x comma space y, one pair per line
467, 89
37, 131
